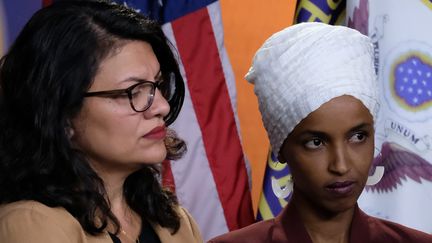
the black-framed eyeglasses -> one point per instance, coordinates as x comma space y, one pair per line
141, 94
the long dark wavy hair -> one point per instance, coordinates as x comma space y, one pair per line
43, 78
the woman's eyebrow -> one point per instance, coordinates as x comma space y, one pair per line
361, 126
158, 75
314, 133
325, 135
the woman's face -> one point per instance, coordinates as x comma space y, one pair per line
107, 129
329, 154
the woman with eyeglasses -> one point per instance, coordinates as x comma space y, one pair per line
87, 91
318, 96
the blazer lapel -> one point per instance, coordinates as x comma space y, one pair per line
360, 227
289, 227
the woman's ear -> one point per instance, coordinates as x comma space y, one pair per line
281, 158
70, 132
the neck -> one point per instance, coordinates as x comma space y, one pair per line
113, 177
323, 225
130, 221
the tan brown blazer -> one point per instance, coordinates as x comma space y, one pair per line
31, 221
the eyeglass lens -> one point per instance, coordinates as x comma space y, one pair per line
142, 95
167, 87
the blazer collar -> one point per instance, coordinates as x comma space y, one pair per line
289, 226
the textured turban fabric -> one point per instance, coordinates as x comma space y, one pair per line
306, 65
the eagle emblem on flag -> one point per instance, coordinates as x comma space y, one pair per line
399, 164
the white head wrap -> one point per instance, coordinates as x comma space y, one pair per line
304, 66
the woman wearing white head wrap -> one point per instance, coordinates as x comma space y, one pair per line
317, 92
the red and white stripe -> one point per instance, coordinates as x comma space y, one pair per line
211, 181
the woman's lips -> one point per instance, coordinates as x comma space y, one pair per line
341, 189
156, 133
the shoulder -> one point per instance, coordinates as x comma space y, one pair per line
187, 223
32, 209
31, 221
386, 231
188, 231
29, 212
254, 233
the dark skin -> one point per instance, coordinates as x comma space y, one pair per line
329, 154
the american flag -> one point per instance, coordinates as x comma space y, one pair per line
211, 180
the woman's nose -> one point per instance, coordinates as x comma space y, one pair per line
339, 160
159, 107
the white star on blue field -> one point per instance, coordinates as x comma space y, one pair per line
413, 81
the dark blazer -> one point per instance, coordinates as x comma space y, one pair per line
287, 228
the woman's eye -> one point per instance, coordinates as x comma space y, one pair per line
358, 137
120, 96
135, 93
314, 143
165, 88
